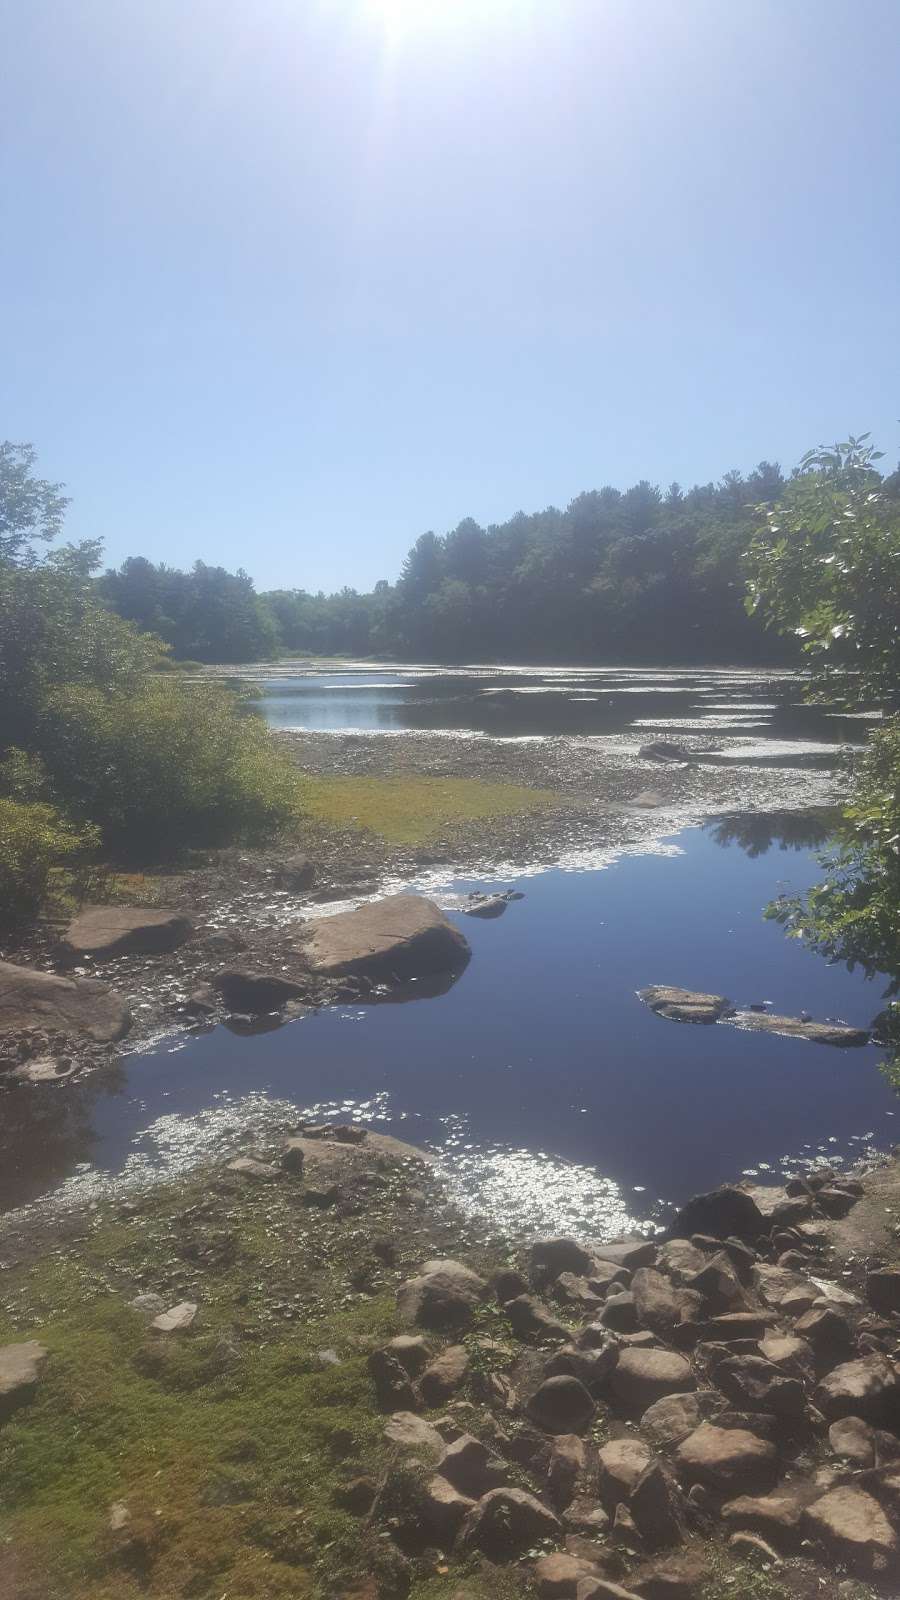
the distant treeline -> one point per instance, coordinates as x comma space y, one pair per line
635, 575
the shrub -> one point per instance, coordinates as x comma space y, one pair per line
169, 765
33, 840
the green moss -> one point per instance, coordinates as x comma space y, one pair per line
413, 810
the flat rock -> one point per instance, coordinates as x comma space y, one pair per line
414, 1434
251, 1167
444, 1509
177, 1319
487, 909
402, 936
443, 1295
777, 1517
672, 1418
20, 1370
602, 1589
630, 1253
621, 1463
446, 1373
103, 932
33, 999
727, 1460
534, 1322
506, 1522
658, 1304
677, 1577
853, 1528
557, 1575
853, 1440
720, 1213
754, 1384
469, 1466
785, 1290
866, 1388
641, 1377
833, 1033
685, 1005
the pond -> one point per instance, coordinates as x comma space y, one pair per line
562, 1101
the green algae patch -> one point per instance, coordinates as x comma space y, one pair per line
415, 810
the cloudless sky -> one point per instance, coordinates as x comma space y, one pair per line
284, 283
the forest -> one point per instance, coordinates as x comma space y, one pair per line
640, 575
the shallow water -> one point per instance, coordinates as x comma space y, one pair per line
562, 1100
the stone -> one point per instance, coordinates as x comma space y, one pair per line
835, 1202
561, 1405
730, 1325
557, 1575
444, 1509
853, 1529
488, 909
602, 1589
20, 1371
533, 1322
469, 1466
178, 1319
621, 1463
393, 1389
32, 999
148, 1305
413, 1433
506, 1522
586, 1517
104, 932
250, 1167
578, 1293
753, 1549
833, 1033
401, 936
853, 1440
717, 1285
672, 1418
358, 1496
678, 1577
549, 1257
566, 1466
443, 1295
243, 989
446, 1373
787, 1350
641, 1377
659, 1306
728, 1460
630, 1253
411, 1351
720, 1212
656, 1507
755, 1384
293, 1155
684, 1005
883, 1290
296, 872
592, 1366
508, 1285
776, 1517
786, 1291
624, 1529
665, 750
827, 1331
620, 1313
119, 1516
648, 799
865, 1388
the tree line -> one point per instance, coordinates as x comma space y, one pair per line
641, 574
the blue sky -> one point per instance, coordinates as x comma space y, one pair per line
287, 282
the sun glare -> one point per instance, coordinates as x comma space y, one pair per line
401, 17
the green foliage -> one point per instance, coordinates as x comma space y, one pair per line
824, 566
30, 507
852, 916
168, 765
206, 614
34, 839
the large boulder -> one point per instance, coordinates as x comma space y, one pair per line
685, 1005
103, 932
243, 989
20, 1369
853, 1529
866, 1388
720, 1213
834, 1033
33, 999
640, 1377
506, 1522
443, 1295
402, 936
620, 1464
562, 1405
729, 1461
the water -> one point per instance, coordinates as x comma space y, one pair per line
562, 1100
507, 702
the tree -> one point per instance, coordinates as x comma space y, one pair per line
824, 566
30, 508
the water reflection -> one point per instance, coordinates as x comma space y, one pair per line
46, 1130
756, 832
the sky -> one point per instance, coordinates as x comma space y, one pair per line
285, 283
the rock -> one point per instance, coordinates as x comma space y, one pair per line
681, 1257
751, 1548
470, 1467
507, 1522
717, 1285
561, 1405
731, 1325
835, 1202
411, 1351
684, 1005
296, 872
358, 1496
533, 1322
32, 999
557, 1575
648, 799
401, 936
624, 1528
578, 1293
103, 932
243, 989
853, 1440
444, 1295
587, 1518
672, 1418
834, 1033
853, 1529
720, 1213
249, 1167
620, 1313
119, 1516
176, 1320
567, 1464
602, 1589
630, 1253
641, 1377
883, 1290
445, 1375
413, 1433
728, 1460
444, 1509
621, 1463
508, 1285
787, 1291
755, 1384
656, 1508
826, 1330
786, 1350
20, 1371
658, 1305
776, 1517
393, 1389
591, 1365
492, 906
665, 750
547, 1258
865, 1388
148, 1305
680, 1577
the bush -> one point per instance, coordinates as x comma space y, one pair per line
33, 840
169, 765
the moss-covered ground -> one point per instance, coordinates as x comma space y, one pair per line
414, 810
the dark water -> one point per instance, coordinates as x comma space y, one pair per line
509, 703
539, 1055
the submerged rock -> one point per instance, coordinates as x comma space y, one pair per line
242, 989
402, 936
685, 1005
834, 1033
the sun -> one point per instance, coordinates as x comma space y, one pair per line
401, 17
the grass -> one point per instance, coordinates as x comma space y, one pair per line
415, 810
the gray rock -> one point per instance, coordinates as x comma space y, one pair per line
393, 1389
620, 1465
754, 1384
443, 1295
411, 1351
296, 872
641, 1377
561, 1405
178, 1319
414, 1434
549, 1257
103, 932
665, 750
657, 1508
401, 936
659, 1306
721, 1212
533, 1322
250, 1167
776, 1517
444, 1509
488, 909
728, 1460
470, 1467
566, 1468
506, 1522
883, 1290
620, 1313
20, 1371
786, 1291
685, 1005
243, 989
833, 1033
866, 1388
557, 1576
750, 1547
33, 999
853, 1528
446, 1373
148, 1305
672, 1418
853, 1440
